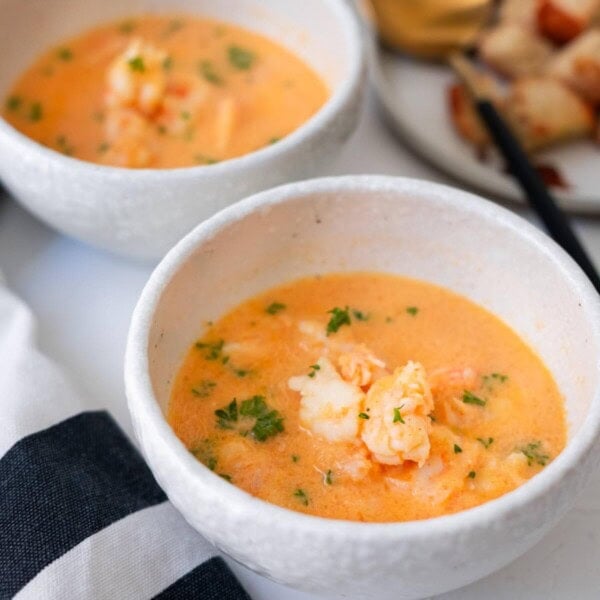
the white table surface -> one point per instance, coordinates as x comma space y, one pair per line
83, 300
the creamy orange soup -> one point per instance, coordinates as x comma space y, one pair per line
367, 397
160, 91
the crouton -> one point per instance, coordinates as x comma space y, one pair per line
543, 112
563, 20
513, 51
578, 65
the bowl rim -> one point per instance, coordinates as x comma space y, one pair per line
319, 121
143, 403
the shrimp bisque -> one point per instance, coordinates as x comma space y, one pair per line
367, 397
163, 91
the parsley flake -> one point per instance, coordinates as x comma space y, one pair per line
65, 54
268, 422
213, 350
328, 477
398, 416
470, 398
302, 496
275, 307
228, 416
241, 58
412, 310
457, 449
13, 103
472, 475
295, 458
207, 70
137, 64
487, 442
363, 415
204, 388
535, 454
314, 368
35, 112
338, 318
359, 315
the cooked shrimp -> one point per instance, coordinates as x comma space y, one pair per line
359, 366
398, 426
356, 466
136, 78
329, 406
126, 133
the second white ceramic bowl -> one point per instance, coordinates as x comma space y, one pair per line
143, 212
401, 226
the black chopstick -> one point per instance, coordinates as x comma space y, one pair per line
535, 189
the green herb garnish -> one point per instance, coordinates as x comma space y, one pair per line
470, 398
204, 453
207, 70
338, 318
295, 458
240, 58
213, 350
302, 496
204, 388
225, 477
397, 415
314, 368
275, 307
167, 63
137, 64
36, 112
359, 315
103, 147
13, 103
457, 449
412, 310
329, 477
63, 145
207, 160
65, 54
273, 140
535, 454
472, 475
127, 26
268, 422
487, 442
363, 415
241, 372
227, 417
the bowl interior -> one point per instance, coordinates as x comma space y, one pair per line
404, 227
316, 30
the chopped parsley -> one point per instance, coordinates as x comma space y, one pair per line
137, 64
173, 26
213, 350
470, 398
457, 449
206, 160
204, 388
35, 112
241, 372
535, 454
363, 415
328, 477
167, 63
487, 442
241, 58
412, 310
338, 318
103, 147
314, 368
266, 422
302, 496
204, 453
63, 145
127, 26
397, 415
359, 315
275, 307
65, 54
274, 140
295, 458
227, 417
13, 103
186, 115
207, 70
472, 475
225, 477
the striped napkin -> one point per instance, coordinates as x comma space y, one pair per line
80, 513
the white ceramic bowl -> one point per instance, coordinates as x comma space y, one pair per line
402, 226
142, 213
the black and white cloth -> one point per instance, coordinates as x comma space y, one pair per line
81, 516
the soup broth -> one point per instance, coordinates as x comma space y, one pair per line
164, 91
367, 397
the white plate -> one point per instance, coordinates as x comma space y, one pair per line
414, 97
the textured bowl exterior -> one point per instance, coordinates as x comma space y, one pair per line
141, 213
340, 559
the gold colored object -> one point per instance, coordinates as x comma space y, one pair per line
430, 28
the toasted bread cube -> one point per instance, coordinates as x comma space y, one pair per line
519, 12
513, 51
543, 112
578, 65
563, 20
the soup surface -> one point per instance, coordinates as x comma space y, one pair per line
160, 91
367, 397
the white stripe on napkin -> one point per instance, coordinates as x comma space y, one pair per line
35, 395
136, 557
